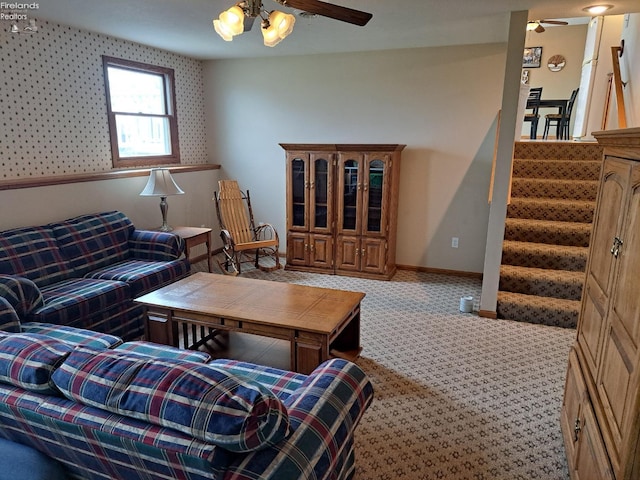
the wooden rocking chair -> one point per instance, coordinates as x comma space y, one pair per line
242, 240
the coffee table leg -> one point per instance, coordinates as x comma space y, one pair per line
308, 351
159, 327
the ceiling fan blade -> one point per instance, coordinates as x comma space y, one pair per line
555, 22
344, 14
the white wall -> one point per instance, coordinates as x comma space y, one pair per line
441, 102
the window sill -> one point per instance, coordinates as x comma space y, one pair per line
33, 182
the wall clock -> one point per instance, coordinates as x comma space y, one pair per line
556, 63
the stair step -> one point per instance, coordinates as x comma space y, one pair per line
547, 188
542, 310
573, 169
558, 150
547, 209
547, 231
543, 255
541, 282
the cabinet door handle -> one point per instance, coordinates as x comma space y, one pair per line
306, 247
615, 248
576, 430
365, 187
312, 246
362, 252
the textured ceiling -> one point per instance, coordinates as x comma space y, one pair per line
184, 26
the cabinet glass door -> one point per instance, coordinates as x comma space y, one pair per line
350, 189
320, 192
374, 196
298, 192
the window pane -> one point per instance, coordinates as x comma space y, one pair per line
136, 92
140, 136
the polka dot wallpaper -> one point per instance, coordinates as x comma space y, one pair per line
53, 111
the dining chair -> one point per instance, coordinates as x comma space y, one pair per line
533, 104
559, 120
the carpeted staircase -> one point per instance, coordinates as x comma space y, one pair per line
547, 231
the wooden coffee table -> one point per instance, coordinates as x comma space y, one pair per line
319, 323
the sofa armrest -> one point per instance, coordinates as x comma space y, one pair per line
23, 294
155, 246
323, 413
9, 320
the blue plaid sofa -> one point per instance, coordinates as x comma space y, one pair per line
103, 409
85, 272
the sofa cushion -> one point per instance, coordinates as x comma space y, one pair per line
197, 399
143, 276
94, 241
72, 335
28, 360
77, 298
281, 382
140, 347
33, 253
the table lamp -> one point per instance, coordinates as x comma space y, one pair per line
161, 184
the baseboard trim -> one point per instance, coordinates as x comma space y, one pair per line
488, 314
457, 273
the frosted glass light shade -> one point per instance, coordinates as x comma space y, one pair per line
283, 22
230, 23
280, 26
271, 37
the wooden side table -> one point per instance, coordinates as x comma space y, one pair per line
195, 236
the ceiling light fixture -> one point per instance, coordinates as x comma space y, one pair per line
597, 9
276, 25
532, 26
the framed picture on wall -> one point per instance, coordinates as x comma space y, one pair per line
531, 57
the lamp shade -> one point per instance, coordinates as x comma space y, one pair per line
160, 184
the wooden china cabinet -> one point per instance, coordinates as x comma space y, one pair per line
600, 416
342, 204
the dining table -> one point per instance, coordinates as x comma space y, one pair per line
559, 103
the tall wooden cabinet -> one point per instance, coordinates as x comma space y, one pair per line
600, 416
342, 204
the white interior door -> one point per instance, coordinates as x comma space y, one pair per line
583, 101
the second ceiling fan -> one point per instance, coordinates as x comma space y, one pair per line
536, 25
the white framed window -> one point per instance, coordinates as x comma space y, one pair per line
143, 124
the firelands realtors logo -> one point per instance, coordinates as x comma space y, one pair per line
18, 16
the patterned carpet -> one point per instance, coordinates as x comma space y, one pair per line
457, 396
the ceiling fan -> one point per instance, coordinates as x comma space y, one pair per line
536, 25
344, 14
277, 25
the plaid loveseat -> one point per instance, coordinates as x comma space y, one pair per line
107, 410
85, 272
